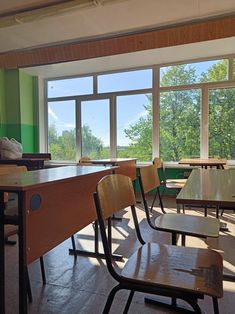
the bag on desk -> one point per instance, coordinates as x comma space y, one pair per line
10, 148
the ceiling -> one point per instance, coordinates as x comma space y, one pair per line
30, 23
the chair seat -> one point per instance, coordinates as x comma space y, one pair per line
175, 183
178, 268
188, 225
10, 230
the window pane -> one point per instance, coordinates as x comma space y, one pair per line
125, 81
184, 74
95, 129
221, 123
179, 124
134, 126
70, 87
61, 130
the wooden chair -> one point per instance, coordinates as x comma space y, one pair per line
166, 270
11, 218
85, 161
174, 223
171, 184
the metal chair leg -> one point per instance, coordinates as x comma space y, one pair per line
43, 270
215, 305
128, 303
110, 299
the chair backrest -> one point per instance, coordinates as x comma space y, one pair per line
85, 161
115, 192
10, 169
149, 178
157, 162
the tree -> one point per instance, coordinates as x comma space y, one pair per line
63, 147
179, 120
180, 117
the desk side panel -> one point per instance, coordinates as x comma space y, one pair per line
66, 207
127, 168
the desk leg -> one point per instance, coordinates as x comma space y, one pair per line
2, 255
96, 252
22, 257
228, 277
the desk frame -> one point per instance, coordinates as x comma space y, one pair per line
211, 187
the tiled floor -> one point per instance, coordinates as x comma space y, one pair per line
81, 285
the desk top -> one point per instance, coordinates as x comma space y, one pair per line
209, 187
203, 162
30, 179
111, 161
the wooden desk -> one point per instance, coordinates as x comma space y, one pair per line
126, 166
53, 205
204, 163
209, 187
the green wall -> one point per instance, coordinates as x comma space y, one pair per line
19, 107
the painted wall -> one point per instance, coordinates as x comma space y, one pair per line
2, 104
19, 107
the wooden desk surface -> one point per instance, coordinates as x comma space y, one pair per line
209, 187
213, 162
33, 179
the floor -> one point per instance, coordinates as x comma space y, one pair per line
81, 285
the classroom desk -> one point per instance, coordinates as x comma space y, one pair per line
126, 166
211, 187
53, 204
204, 163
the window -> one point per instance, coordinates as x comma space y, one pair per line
125, 81
221, 122
191, 107
134, 126
61, 130
198, 72
95, 128
70, 87
179, 124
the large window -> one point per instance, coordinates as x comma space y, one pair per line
175, 111
134, 126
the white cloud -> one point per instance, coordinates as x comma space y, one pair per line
52, 114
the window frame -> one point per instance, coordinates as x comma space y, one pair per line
155, 91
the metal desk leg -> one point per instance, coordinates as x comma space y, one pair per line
22, 257
96, 252
2, 254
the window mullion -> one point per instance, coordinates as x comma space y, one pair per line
204, 124
156, 112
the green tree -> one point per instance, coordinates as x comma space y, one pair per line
221, 113
63, 147
179, 120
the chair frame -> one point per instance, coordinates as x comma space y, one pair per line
137, 285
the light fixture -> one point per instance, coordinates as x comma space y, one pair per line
32, 14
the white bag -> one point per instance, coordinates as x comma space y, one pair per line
10, 149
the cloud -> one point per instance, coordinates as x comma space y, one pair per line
52, 114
